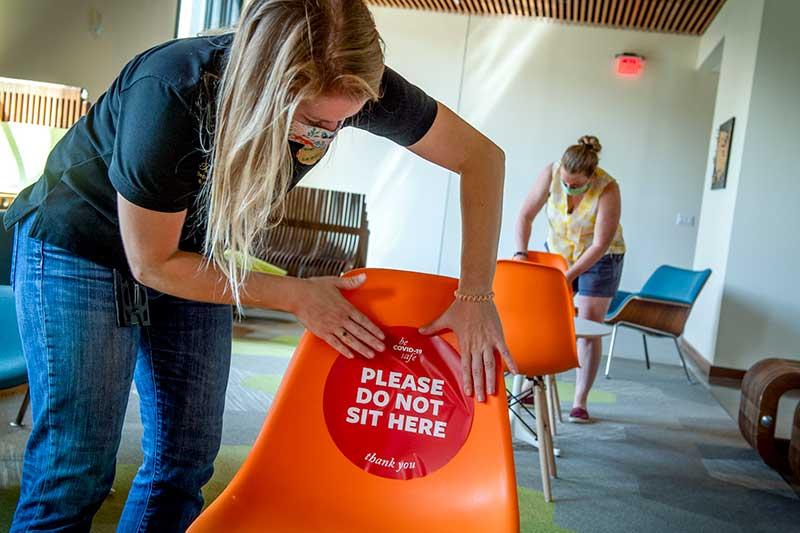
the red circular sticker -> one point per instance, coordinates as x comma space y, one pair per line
403, 414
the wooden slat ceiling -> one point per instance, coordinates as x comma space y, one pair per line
688, 17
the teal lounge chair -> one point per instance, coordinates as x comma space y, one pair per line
13, 372
660, 309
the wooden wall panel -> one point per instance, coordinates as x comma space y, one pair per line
687, 17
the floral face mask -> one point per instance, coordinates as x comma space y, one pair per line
315, 141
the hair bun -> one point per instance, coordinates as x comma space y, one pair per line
591, 142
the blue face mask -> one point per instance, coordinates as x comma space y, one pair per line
575, 191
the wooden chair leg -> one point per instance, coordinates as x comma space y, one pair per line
557, 400
541, 430
551, 405
551, 457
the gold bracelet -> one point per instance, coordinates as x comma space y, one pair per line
474, 298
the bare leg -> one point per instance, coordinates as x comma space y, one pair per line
589, 350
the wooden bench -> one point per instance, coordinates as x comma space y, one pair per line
42, 104
45, 104
324, 233
762, 388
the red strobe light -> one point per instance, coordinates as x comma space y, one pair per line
629, 65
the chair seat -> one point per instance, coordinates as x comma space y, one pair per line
619, 300
12, 362
12, 370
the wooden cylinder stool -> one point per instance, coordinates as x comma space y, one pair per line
794, 446
762, 388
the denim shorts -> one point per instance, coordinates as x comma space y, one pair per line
602, 279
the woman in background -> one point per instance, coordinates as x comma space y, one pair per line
583, 206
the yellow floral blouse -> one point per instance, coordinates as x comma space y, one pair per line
570, 234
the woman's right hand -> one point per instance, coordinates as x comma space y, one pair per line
323, 310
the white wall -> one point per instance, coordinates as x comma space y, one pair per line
534, 87
405, 194
760, 313
51, 40
736, 29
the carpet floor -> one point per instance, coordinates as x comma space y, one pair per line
662, 455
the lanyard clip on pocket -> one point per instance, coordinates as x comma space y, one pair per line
130, 300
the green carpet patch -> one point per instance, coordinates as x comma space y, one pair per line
228, 462
226, 465
268, 348
107, 517
268, 383
8, 504
288, 340
566, 391
535, 514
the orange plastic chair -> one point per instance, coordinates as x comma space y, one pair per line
546, 258
297, 480
553, 400
535, 306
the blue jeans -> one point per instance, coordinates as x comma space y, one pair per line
80, 367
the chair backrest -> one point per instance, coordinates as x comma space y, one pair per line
546, 258
536, 310
675, 284
324, 233
301, 475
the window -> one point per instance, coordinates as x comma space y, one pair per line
196, 16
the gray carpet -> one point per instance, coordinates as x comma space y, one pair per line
662, 456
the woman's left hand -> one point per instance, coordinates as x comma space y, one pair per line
477, 327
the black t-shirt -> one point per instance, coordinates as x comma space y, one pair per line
145, 139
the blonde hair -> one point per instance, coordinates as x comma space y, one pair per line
283, 52
582, 158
